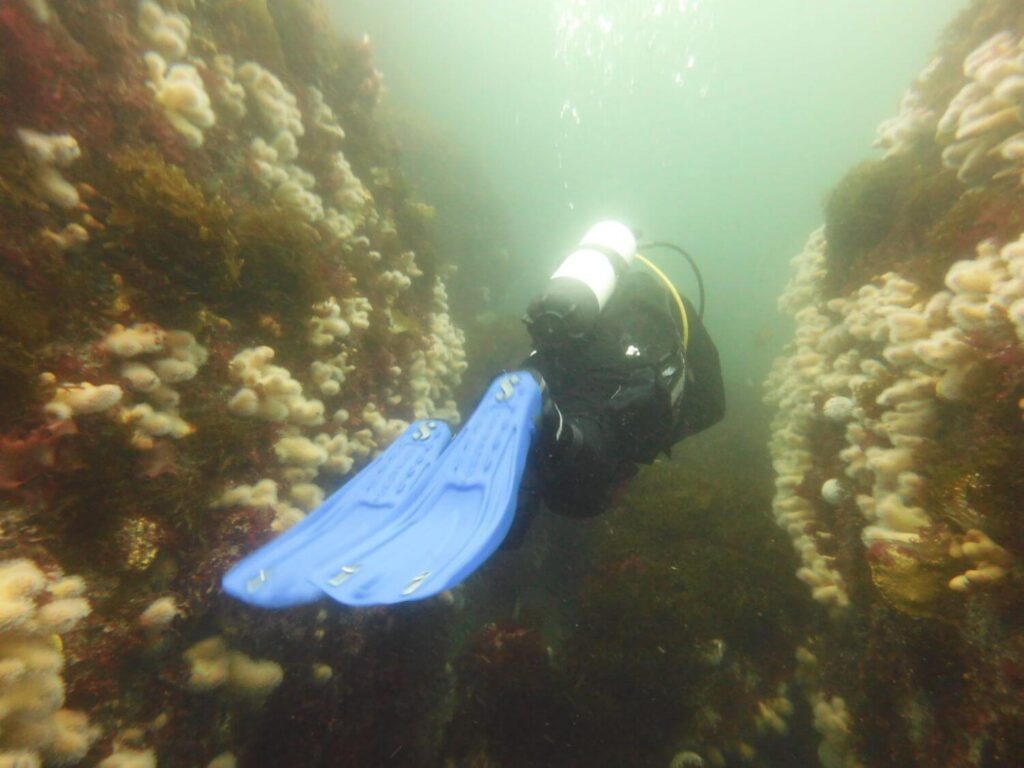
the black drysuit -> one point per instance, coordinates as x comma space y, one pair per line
624, 395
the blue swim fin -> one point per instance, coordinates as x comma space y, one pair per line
459, 516
276, 574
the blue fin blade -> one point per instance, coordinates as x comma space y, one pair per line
460, 516
276, 574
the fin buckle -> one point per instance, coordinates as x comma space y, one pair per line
508, 388
346, 573
416, 583
256, 581
424, 431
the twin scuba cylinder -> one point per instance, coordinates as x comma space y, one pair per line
580, 288
565, 312
582, 285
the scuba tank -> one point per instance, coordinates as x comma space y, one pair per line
641, 385
578, 290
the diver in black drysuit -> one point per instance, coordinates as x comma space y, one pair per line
618, 398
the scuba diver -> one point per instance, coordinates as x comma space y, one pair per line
622, 369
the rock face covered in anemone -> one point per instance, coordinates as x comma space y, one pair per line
898, 429
216, 302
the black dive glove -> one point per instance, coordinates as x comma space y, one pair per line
556, 435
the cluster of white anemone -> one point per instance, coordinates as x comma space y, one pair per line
264, 494
981, 129
176, 81
269, 392
152, 360
792, 387
230, 94
349, 197
914, 350
179, 90
49, 153
124, 756
774, 712
393, 282
35, 610
276, 105
178, 86
983, 126
331, 327
274, 154
879, 452
832, 722
831, 716
151, 363
302, 459
213, 666
72, 399
435, 372
322, 114
292, 187
166, 31
333, 322
915, 121
384, 429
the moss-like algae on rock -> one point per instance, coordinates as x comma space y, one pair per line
908, 214
168, 235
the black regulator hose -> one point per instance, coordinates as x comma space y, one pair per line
693, 266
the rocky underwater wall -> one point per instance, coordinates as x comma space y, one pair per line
898, 439
217, 299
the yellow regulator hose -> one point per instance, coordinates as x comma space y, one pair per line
675, 295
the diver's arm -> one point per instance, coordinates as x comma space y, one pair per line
576, 464
566, 471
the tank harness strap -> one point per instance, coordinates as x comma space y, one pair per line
675, 295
